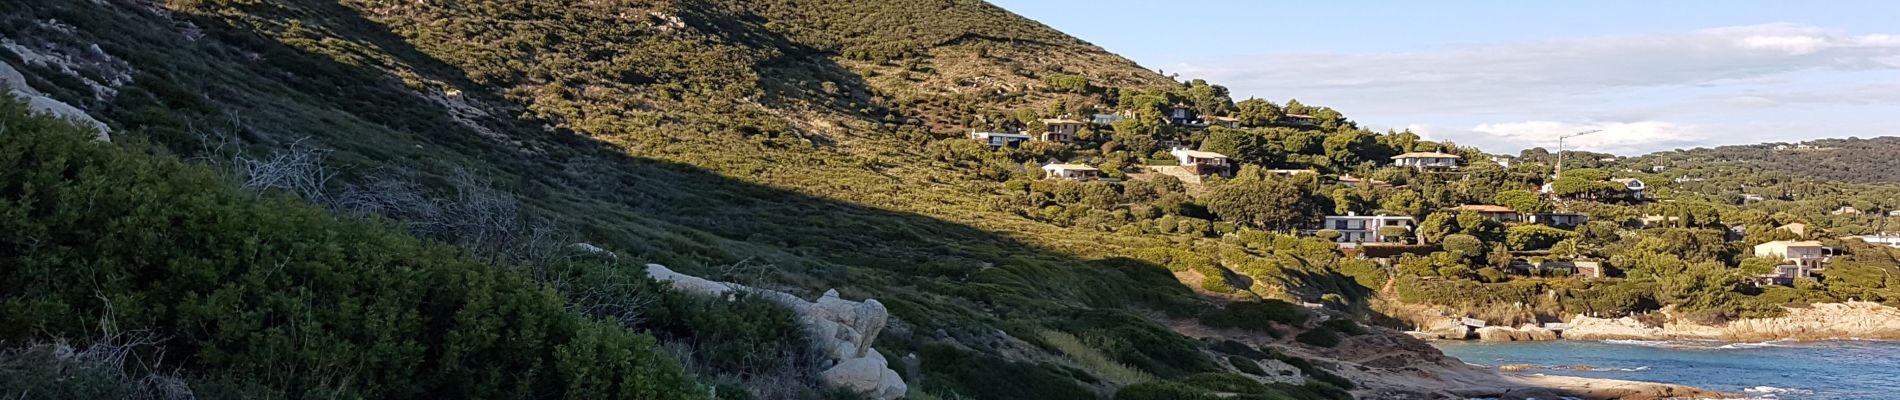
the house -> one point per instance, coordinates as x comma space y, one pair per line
1885, 239
1752, 198
1798, 228
1810, 254
1073, 172
1688, 179
1299, 119
1635, 187
1353, 181
1894, 213
1061, 130
1229, 122
1846, 210
1106, 119
1503, 161
1426, 160
1784, 275
1355, 228
999, 140
1202, 162
1292, 172
1654, 221
1589, 269
1494, 212
1560, 219
1181, 114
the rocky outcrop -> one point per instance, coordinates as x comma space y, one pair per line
1441, 329
1828, 321
14, 84
1525, 333
843, 329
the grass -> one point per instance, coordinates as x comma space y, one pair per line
1094, 361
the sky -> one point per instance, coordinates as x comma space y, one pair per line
1509, 75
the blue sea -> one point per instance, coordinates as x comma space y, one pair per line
1767, 370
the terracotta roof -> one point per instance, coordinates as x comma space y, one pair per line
1424, 155
1486, 208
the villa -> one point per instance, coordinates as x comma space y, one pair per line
1427, 160
1355, 228
1494, 212
1061, 130
1635, 187
1202, 162
1353, 181
1560, 219
1885, 239
1805, 253
1073, 172
1000, 140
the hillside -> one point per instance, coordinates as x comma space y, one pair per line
799, 146
1852, 160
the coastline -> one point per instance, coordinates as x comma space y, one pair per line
1816, 322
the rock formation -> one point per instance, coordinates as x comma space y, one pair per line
14, 84
1524, 333
1827, 321
843, 329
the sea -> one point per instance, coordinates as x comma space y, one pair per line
1845, 370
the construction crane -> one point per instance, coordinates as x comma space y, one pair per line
1560, 149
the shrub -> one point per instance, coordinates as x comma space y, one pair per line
983, 376
1246, 365
1163, 390
1255, 316
1464, 245
1226, 383
280, 293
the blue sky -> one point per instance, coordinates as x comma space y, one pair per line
1654, 75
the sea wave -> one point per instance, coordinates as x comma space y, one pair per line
1755, 345
1771, 392
1669, 344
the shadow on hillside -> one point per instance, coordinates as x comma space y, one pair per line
934, 274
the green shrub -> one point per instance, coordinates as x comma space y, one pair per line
1256, 316
982, 376
1163, 390
1246, 365
275, 292
1225, 383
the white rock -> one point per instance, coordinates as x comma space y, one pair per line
14, 84
843, 329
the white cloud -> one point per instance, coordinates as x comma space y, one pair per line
1423, 130
1727, 74
1615, 137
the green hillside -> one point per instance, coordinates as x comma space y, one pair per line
800, 146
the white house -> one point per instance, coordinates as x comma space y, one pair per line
1560, 219
1074, 172
996, 139
1355, 228
1805, 253
1885, 239
1846, 210
1426, 160
1106, 119
1634, 186
1229, 122
1202, 162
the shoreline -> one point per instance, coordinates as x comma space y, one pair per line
1821, 322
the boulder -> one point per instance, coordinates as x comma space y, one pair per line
1442, 329
1537, 333
14, 84
1501, 334
842, 329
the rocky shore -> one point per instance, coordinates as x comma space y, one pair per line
1825, 321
